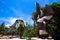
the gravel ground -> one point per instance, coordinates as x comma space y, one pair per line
14, 37
25, 39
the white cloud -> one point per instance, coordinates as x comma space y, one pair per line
7, 25
10, 20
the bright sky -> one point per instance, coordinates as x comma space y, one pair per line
10, 10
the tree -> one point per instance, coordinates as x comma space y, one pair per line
2, 28
20, 29
30, 31
53, 25
56, 19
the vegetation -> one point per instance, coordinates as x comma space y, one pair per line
2, 28
53, 25
30, 31
20, 29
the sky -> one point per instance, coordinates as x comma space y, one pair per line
11, 10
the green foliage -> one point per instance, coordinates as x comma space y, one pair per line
30, 31
20, 29
42, 8
56, 8
53, 25
2, 28
35, 15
